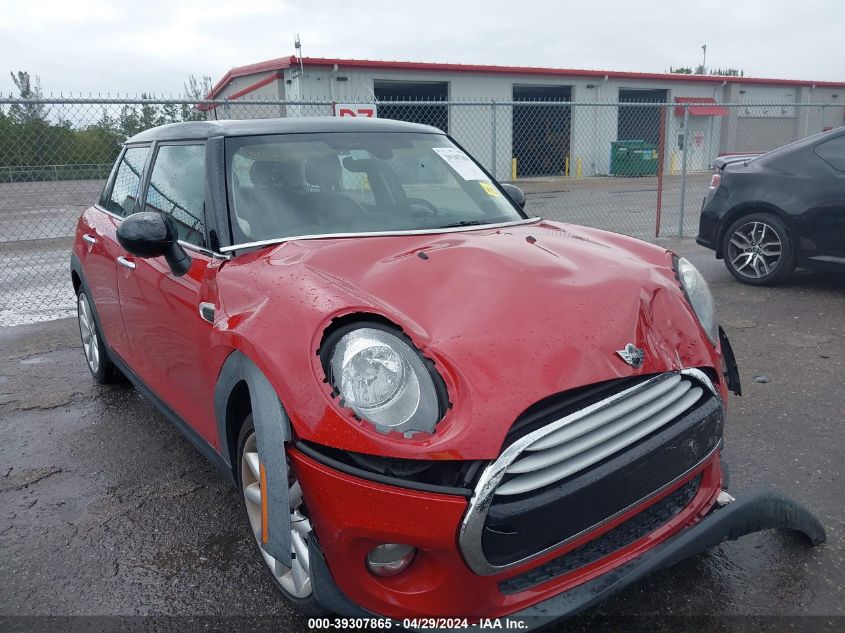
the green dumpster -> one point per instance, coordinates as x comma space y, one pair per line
633, 158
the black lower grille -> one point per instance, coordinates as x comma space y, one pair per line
636, 527
517, 527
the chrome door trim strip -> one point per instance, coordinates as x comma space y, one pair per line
188, 245
472, 526
202, 250
326, 236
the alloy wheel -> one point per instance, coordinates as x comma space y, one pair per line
296, 579
755, 250
88, 330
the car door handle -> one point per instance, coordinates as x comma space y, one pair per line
126, 263
207, 311
89, 238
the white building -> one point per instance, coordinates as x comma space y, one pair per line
550, 121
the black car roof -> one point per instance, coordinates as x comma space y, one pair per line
195, 130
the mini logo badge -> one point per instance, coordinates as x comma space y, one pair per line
632, 355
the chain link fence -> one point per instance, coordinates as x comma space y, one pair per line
636, 168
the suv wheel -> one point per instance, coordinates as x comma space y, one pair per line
293, 582
92, 342
758, 249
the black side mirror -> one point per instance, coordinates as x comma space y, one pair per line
515, 194
149, 234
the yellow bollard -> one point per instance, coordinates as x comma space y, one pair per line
566, 166
578, 167
513, 168
673, 165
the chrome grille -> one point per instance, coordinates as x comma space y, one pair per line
574, 442
588, 436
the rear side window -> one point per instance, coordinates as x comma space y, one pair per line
832, 152
123, 193
177, 188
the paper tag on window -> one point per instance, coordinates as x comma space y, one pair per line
461, 163
489, 188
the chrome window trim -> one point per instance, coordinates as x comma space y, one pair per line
188, 245
324, 236
472, 526
203, 250
99, 207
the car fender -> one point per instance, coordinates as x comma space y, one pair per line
272, 430
747, 208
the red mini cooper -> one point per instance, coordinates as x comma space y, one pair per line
433, 404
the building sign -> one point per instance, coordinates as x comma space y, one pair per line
355, 109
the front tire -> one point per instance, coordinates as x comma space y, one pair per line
293, 582
99, 363
759, 250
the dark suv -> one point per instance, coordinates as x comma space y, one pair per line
765, 215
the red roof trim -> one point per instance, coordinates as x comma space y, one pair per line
286, 62
258, 84
245, 91
252, 69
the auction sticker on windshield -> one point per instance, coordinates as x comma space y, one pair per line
461, 163
490, 188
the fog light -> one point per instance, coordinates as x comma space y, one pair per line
390, 559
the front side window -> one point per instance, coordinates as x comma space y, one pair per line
833, 152
286, 185
177, 188
124, 190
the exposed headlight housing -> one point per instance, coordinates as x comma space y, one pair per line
699, 297
384, 380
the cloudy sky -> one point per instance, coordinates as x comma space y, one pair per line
153, 45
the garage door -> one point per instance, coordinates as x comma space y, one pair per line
541, 130
410, 91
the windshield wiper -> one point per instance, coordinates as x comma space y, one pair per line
462, 223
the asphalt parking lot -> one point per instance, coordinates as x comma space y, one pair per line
105, 510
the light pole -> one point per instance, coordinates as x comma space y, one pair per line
704, 60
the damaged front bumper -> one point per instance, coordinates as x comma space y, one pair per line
731, 518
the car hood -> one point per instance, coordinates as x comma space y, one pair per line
509, 316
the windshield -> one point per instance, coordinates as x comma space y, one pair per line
285, 185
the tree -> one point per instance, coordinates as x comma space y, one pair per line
195, 90
149, 114
701, 70
128, 121
728, 72
27, 112
169, 113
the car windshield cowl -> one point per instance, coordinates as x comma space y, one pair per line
303, 185
462, 223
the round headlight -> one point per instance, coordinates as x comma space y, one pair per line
699, 297
385, 381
